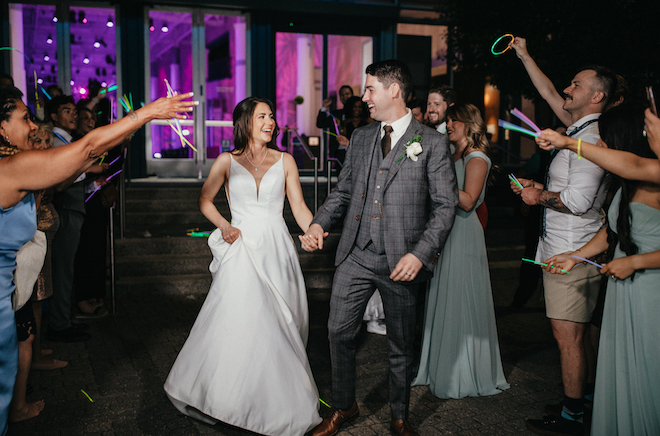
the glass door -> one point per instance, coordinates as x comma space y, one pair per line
204, 52
303, 61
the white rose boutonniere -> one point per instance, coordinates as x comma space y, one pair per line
412, 148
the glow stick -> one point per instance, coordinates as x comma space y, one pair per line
92, 194
88, 397
516, 113
36, 90
330, 133
183, 139
509, 126
170, 93
334, 121
543, 264
46, 94
199, 234
130, 95
102, 159
506, 35
324, 403
514, 180
108, 179
588, 261
115, 160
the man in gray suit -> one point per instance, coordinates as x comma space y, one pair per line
398, 208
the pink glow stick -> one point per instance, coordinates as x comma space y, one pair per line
516, 113
115, 160
108, 179
509, 126
93, 192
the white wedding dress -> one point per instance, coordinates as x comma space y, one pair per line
244, 362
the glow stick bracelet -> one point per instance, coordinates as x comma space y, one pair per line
324, 403
88, 397
587, 260
521, 116
492, 47
46, 94
509, 126
330, 133
543, 264
92, 194
514, 180
115, 160
108, 179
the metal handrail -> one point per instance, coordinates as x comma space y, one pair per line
311, 156
341, 165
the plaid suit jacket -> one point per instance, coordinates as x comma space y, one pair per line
419, 198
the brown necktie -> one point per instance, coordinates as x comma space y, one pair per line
386, 142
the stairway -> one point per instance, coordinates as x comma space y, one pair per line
157, 257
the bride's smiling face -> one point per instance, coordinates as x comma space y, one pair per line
263, 124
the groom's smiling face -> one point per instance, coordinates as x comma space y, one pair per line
378, 99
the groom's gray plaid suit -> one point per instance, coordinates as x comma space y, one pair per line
390, 207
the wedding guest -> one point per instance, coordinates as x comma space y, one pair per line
626, 391
460, 349
330, 119
33, 170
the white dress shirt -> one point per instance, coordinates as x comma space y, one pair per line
582, 187
399, 128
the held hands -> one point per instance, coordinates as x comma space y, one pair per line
312, 240
406, 269
230, 234
561, 261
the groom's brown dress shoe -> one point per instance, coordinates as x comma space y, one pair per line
330, 426
400, 427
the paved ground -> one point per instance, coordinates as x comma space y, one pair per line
124, 365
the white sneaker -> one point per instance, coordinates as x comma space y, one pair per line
377, 326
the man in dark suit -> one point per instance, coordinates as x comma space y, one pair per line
397, 195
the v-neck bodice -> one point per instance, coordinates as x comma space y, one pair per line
251, 205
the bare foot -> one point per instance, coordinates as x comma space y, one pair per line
29, 411
46, 352
48, 364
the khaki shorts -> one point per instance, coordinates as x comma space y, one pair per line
572, 297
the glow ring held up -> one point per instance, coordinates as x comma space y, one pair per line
506, 35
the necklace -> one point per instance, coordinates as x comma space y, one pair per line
256, 167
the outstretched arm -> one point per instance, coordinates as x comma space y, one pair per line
622, 163
541, 82
34, 170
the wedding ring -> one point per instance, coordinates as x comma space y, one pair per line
408, 274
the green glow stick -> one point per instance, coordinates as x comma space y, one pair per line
514, 180
543, 264
509, 126
333, 134
326, 404
88, 397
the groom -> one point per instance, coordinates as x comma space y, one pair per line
398, 209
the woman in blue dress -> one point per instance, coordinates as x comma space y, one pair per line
28, 171
626, 396
460, 350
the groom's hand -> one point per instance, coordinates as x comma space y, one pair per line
407, 268
312, 240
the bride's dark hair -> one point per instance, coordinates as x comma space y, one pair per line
243, 114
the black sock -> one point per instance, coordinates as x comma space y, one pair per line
573, 409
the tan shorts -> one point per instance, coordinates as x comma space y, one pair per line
572, 297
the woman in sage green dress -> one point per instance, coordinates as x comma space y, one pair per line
460, 350
627, 393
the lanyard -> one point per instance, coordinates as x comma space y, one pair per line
60, 136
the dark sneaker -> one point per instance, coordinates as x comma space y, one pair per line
67, 335
555, 426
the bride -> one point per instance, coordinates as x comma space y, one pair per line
244, 362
